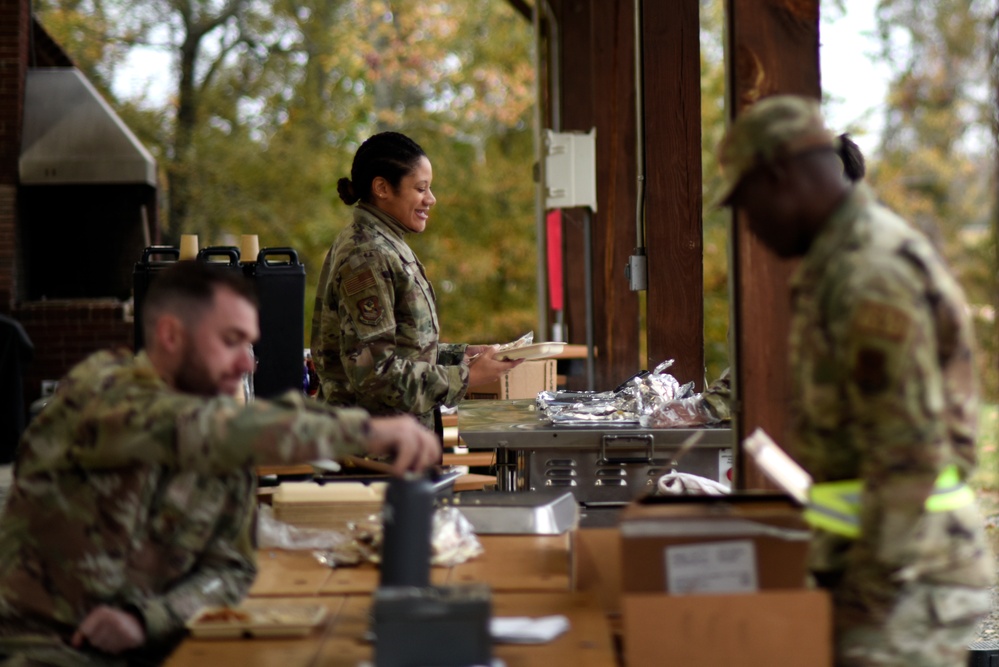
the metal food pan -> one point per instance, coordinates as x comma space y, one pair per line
517, 513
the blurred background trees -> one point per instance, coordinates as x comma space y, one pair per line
269, 99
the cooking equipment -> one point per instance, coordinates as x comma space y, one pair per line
605, 466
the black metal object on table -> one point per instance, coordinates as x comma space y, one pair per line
983, 654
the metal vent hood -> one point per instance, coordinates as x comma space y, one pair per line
72, 136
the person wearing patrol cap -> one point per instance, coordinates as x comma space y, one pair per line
884, 394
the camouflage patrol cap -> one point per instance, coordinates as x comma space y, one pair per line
773, 128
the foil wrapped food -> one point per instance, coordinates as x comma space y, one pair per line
650, 400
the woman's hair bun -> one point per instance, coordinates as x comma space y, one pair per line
346, 191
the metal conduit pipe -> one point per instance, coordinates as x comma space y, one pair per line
637, 270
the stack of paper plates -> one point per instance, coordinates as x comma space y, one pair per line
330, 506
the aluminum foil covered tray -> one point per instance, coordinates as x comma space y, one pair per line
518, 512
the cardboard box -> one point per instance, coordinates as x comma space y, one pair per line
790, 628
713, 544
596, 565
524, 381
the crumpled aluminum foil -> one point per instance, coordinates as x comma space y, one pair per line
630, 404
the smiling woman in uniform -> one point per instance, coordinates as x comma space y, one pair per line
375, 330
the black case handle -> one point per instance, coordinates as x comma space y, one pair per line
267, 252
230, 251
159, 250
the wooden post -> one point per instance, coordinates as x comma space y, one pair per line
674, 232
597, 78
773, 48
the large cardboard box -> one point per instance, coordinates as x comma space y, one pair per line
785, 628
713, 544
524, 381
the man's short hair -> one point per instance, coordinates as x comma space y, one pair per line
186, 288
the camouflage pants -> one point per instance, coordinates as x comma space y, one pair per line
928, 626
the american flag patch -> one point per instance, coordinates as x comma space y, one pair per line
359, 281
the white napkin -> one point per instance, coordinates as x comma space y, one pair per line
685, 483
527, 630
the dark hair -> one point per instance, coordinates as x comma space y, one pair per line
854, 167
186, 288
390, 155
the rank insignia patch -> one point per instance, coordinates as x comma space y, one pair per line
882, 321
370, 310
359, 281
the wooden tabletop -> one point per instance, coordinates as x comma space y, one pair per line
521, 563
286, 573
340, 641
510, 563
529, 575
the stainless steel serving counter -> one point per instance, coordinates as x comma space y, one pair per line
605, 466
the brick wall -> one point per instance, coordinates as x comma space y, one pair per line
65, 332
15, 23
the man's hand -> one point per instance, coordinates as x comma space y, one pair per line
414, 447
485, 367
110, 630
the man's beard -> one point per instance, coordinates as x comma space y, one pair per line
193, 377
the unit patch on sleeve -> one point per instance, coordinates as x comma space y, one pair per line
370, 310
881, 320
359, 281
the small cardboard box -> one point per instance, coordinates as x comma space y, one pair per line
713, 544
789, 628
524, 381
596, 565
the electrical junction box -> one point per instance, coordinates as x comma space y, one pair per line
570, 169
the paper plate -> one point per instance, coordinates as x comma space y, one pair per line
282, 620
536, 351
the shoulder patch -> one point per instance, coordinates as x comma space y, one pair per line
370, 310
881, 320
359, 281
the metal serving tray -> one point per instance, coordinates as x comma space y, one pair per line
509, 513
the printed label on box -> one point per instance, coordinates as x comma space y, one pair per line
725, 466
717, 567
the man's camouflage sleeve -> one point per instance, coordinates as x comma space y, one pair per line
226, 568
210, 436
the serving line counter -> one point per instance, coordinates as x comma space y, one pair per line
529, 575
605, 466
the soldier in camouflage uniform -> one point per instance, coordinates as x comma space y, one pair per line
374, 329
133, 497
885, 397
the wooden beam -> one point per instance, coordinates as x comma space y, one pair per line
615, 305
577, 103
773, 48
674, 235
